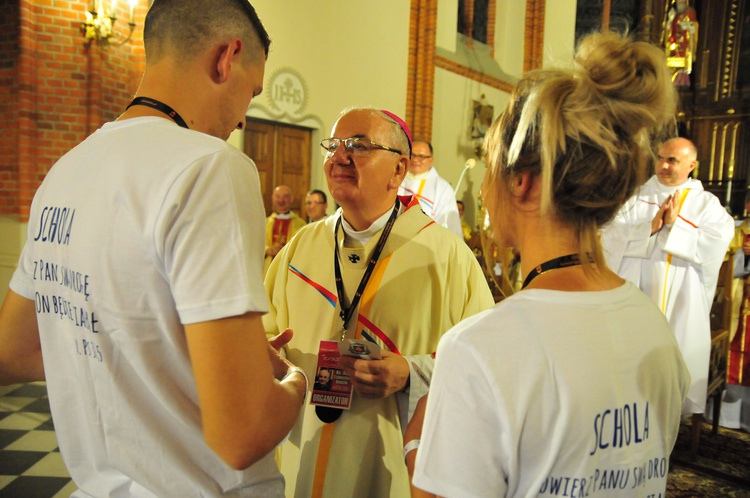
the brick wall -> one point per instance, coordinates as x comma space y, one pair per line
423, 59
533, 50
58, 89
9, 33
420, 87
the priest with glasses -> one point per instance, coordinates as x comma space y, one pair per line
350, 277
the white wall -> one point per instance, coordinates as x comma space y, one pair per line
451, 125
559, 33
454, 94
347, 52
355, 52
510, 25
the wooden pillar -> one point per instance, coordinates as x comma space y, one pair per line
606, 9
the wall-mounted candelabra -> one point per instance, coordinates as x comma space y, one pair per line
100, 22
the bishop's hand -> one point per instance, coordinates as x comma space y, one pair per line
377, 379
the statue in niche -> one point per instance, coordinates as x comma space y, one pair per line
482, 115
681, 41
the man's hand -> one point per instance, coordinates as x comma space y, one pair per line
274, 249
658, 222
673, 208
279, 363
377, 379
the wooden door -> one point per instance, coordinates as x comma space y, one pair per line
282, 154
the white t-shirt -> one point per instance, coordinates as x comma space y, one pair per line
554, 393
140, 229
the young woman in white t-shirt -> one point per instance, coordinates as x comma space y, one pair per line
574, 385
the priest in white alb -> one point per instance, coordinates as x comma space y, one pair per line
670, 239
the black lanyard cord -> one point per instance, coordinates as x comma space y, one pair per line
159, 106
552, 264
346, 313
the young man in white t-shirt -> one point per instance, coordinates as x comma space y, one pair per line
139, 294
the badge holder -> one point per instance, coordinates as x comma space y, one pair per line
332, 391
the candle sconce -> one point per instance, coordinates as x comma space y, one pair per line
100, 22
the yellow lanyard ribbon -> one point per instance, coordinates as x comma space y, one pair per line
326, 436
683, 195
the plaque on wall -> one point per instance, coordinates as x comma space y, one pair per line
287, 92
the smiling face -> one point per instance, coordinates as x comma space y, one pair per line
315, 207
282, 199
324, 376
364, 185
421, 158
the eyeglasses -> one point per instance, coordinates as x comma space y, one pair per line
356, 146
420, 157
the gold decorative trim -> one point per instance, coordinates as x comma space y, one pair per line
733, 151
703, 79
711, 166
723, 151
727, 65
727, 147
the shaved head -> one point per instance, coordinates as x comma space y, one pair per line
185, 28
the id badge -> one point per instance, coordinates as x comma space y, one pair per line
333, 387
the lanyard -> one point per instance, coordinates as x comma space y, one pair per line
346, 313
327, 414
159, 106
552, 264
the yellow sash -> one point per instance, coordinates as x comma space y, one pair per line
683, 195
326, 437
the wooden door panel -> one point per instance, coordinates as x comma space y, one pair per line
293, 163
282, 155
259, 146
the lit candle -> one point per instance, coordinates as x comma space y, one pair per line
132, 8
113, 8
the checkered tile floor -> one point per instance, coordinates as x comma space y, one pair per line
30, 462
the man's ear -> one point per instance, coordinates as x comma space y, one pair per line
399, 173
228, 54
693, 164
